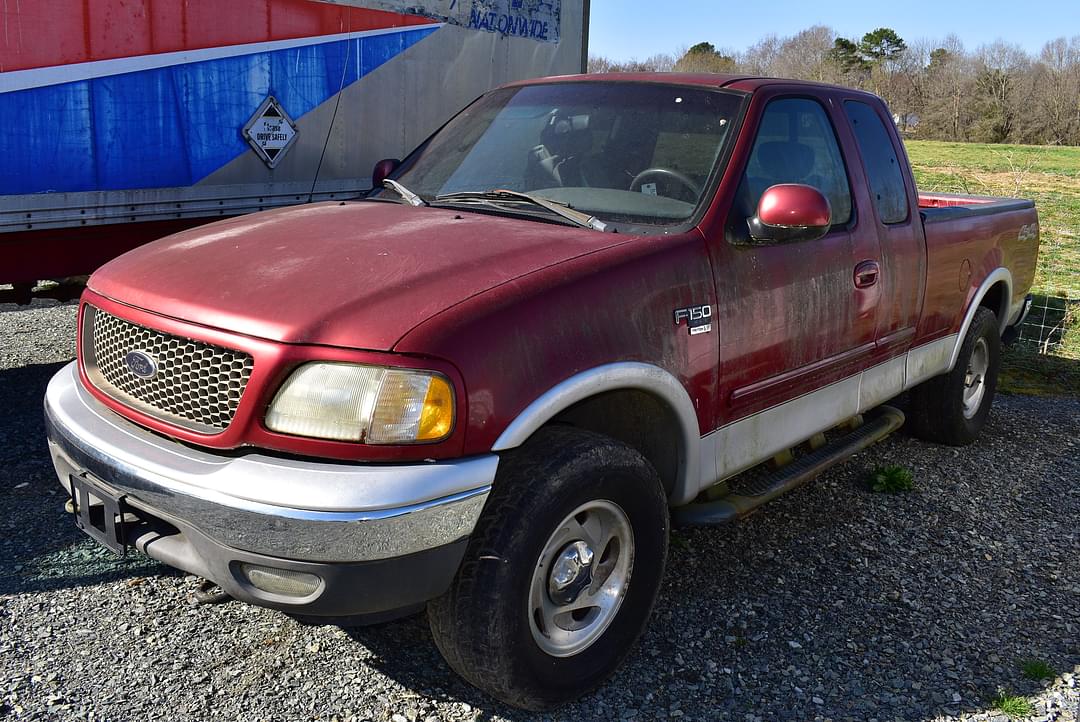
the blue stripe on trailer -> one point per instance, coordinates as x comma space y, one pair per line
170, 126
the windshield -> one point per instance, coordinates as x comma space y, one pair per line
623, 152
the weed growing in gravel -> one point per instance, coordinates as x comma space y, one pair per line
891, 479
678, 541
1012, 705
1037, 669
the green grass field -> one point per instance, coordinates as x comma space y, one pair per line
1051, 177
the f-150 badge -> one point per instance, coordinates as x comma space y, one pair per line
698, 318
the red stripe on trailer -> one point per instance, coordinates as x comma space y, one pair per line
31, 256
59, 32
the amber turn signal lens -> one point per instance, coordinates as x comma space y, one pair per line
437, 418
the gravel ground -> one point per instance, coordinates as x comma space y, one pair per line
833, 603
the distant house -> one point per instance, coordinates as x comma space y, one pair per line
906, 123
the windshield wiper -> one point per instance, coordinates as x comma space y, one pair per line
560, 209
411, 198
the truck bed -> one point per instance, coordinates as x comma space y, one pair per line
936, 207
966, 237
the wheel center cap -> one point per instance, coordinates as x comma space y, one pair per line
571, 573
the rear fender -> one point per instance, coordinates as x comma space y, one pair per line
998, 275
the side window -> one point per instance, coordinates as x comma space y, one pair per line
796, 144
882, 166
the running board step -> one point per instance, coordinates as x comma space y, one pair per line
750, 496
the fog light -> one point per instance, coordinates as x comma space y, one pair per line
285, 582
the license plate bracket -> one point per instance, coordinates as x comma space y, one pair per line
100, 513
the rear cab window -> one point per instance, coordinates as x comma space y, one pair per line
883, 170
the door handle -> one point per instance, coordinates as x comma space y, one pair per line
866, 274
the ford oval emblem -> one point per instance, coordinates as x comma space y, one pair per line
141, 364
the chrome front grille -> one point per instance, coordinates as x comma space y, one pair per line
193, 384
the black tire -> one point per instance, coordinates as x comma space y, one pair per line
482, 624
937, 407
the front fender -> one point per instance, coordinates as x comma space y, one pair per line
614, 377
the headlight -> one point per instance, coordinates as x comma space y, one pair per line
369, 404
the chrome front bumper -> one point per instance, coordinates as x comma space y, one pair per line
288, 508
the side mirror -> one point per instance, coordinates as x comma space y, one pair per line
382, 171
790, 212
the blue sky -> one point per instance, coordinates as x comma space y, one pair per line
625, 29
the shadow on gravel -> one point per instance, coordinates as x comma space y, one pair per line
1035, 374
35, 304
40, 548
79, 564
832, 602
841, 603
404, 651
22, 425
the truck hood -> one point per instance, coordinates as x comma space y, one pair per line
357, 275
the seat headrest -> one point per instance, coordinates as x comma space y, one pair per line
566, 135
786, 159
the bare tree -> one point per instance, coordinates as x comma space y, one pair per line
950, 82
599, 64
1057, 91
808, 55
998, 91
761, 57
936, 88
659, 63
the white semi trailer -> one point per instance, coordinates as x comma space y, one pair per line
127, 121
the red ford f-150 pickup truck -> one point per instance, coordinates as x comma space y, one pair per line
584, 307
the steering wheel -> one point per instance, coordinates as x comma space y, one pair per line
667, 174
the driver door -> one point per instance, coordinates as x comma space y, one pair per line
791, 318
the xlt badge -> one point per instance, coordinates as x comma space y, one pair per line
698, 318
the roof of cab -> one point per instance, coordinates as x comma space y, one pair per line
715, 80
744, 83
